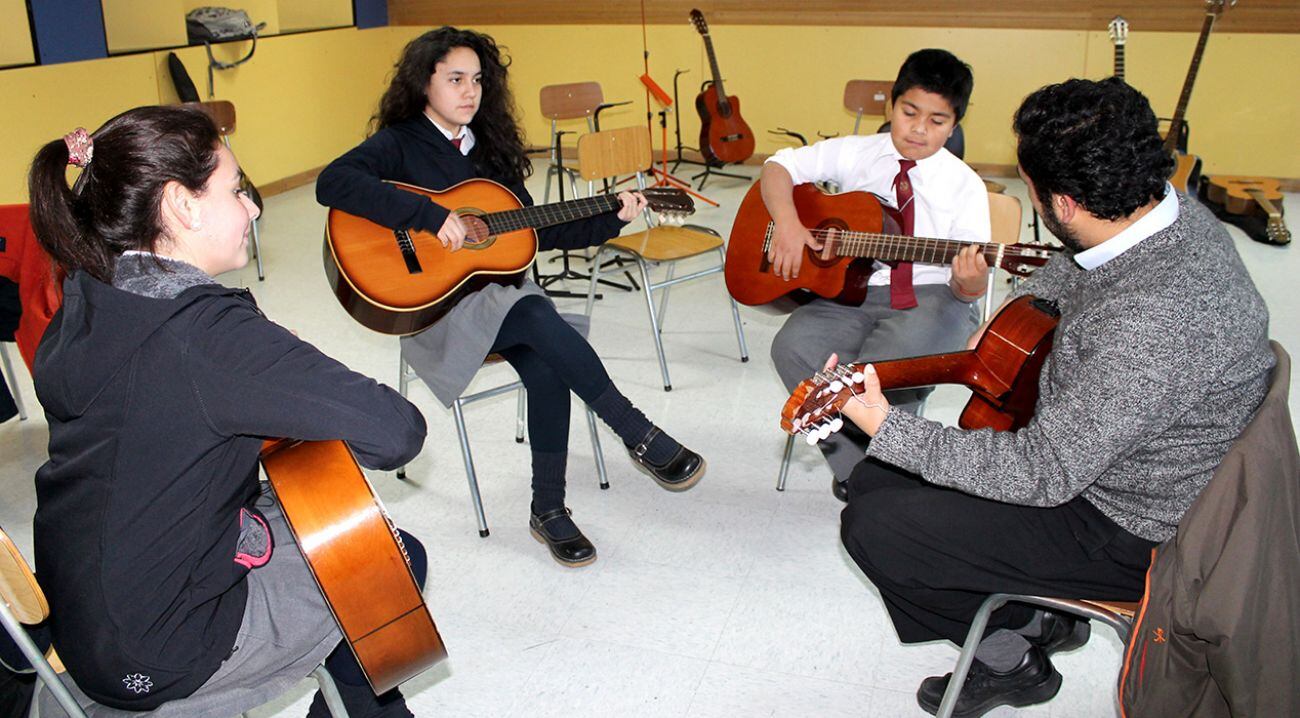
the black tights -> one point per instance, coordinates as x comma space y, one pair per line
551, 358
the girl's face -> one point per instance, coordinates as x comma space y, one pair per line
226, 213
454, 89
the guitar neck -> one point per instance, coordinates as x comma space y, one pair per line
898, 247
1264, 203
1171, 140
717, 75
1119, 61
547, 215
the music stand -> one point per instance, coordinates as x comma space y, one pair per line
661, 174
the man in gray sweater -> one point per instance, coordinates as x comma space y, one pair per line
1161, 358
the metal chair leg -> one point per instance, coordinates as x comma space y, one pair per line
403, 377
521, 417
595, 277
13, 382
457, 410
785, 463
333, 701
663, 295
967, 656
654, 322
37, 660
596, 450
735, 317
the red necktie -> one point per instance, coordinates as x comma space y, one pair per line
901, 294
456, 142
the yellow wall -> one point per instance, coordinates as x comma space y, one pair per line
305, 98
15, 35
301, 101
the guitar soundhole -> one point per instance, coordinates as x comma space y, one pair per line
828, 230
477, 235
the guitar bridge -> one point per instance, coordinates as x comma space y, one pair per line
407, 247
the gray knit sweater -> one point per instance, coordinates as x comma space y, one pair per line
1160, 360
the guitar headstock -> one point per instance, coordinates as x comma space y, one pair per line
1022, 258
672, 205
1218, 7
697, 19
1277, 231
813, 410
1118, 31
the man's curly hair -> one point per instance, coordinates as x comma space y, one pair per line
1095, 142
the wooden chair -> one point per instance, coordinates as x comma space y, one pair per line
568, 101
627, 151
1004, 225
22, 602
867, 97
406, 375
222, 113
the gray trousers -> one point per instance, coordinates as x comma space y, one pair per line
870, 332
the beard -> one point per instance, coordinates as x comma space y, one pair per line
1059, 230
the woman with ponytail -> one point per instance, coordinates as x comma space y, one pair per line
174, 582
448, 116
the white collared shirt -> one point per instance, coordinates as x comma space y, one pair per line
466, 135
1163, 215
950, 199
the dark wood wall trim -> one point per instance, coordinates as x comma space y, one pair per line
1272, 16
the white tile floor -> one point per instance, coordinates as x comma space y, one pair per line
729, 600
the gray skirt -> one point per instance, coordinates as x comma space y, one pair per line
287, 631
448, 354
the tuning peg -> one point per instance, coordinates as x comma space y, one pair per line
836, 424
810, 437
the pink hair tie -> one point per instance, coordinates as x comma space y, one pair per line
80, 147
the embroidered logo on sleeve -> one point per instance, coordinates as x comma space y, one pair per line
138, 682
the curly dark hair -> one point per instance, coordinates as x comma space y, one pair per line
1095, 142
499, 149
940, 72
115, 203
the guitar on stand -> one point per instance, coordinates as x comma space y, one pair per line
725, 138
1252, 203
1187, 167
1119, 36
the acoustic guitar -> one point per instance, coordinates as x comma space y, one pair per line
1001, 372
1187, 167
1118, 30
724, 135
1250, 197
356, 557
399, 281
856, 229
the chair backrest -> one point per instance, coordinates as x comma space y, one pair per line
866, 97
1004, 218
614, 152
222, 113
571, 100
18, 587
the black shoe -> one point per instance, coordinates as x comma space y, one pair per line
679, 473
840, 489
1061, 633
1033, 681
573, 551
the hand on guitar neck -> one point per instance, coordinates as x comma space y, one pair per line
456, 228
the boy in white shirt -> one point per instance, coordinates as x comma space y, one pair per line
911, 310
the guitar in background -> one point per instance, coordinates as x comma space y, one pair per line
1252, 203
1118, 36
1187, 167
724, 135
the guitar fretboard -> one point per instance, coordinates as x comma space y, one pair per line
724, 106
546, 215
1119, 61
897, 247
1171, 140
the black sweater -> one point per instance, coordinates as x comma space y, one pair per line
415, 152
157, 409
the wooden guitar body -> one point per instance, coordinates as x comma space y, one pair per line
1252, 203
1187, 173
749, 275
356, 558
367, 268
1002, 372
724, 135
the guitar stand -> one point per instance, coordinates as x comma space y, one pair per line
711, 168
677, 120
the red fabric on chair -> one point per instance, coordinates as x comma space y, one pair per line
39, 288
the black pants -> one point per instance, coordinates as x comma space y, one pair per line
935, 554
552, 359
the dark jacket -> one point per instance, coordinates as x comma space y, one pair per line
157, 408
415, 152
1218, 633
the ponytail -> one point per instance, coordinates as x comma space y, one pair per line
54, 214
